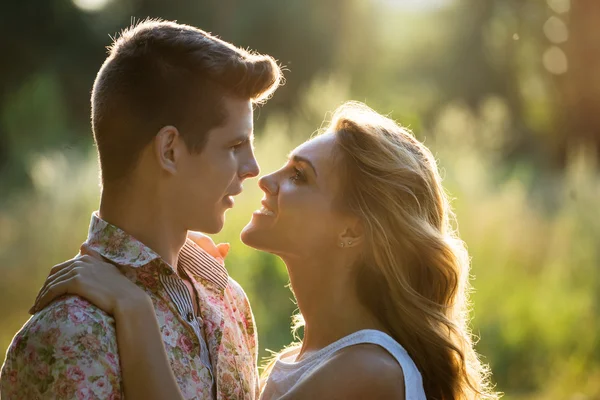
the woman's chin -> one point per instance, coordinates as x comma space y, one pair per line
256, 237
250, 235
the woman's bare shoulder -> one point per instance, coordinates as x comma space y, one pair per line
363, 371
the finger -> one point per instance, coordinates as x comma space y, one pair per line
69, 271
87, 250
204, 242
223, 249
52, 292
199, 238
61, 266
59, 277
59, 270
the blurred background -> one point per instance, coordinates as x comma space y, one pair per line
505, 92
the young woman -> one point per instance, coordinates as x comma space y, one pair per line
360, 218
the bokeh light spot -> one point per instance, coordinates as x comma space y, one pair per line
556, 30
418, 5
560, 6
91, 5
555, 60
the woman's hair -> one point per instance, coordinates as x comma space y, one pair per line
414, 271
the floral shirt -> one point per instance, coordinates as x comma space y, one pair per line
69, 349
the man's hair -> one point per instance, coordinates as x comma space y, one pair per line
161, 73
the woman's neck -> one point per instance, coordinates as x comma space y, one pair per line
328, 301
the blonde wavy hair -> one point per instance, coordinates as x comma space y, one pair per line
414, 270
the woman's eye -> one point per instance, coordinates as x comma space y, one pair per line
297, 175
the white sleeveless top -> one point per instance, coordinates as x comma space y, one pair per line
286, 372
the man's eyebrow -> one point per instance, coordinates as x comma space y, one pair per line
242, 138
300, 159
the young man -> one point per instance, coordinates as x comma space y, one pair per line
172, 117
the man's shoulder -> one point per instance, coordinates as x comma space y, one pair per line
64, 348
73, 310
241, 302
235, 287
62, 320
236, 292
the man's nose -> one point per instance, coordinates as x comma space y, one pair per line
250, 169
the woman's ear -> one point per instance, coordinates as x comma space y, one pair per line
352, 235
167, 148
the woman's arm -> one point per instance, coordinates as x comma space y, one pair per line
145, 367
146, 370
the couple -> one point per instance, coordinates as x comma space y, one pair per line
358, 215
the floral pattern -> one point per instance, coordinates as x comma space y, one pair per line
69, 349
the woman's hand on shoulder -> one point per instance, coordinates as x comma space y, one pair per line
364, 371
218, 251
90, 277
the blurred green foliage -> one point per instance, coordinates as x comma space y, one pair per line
505, 92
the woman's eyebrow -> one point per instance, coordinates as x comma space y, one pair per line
300, 159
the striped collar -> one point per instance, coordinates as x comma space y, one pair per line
121, 248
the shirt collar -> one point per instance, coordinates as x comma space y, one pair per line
121, 248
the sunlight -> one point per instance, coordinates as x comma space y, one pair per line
417, 5
91, 5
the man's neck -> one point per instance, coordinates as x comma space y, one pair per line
142, 216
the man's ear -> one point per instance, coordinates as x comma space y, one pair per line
168, 145
352, 235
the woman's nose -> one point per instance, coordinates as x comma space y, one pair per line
268, 184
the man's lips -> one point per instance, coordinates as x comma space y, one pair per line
229, 198
235, 193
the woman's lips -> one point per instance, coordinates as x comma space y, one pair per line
265, 211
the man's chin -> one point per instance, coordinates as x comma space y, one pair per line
210, 227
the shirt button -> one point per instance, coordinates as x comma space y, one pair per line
168, 271
190, 317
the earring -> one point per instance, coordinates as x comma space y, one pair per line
342, 244
349, 242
